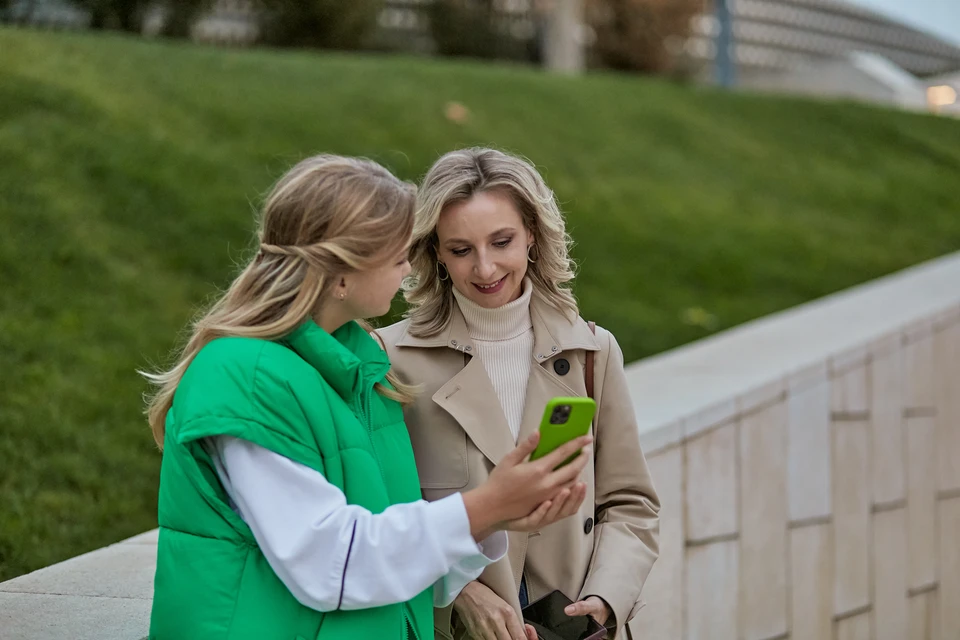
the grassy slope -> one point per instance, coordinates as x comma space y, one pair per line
129, 171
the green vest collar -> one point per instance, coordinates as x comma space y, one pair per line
349, 360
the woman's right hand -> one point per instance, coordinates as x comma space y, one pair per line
487, 616
524, 495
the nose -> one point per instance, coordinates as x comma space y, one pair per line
484, 267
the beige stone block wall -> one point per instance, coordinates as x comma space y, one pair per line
824, 505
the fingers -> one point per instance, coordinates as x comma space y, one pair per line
581, 608
574, 508
559, 504
530, 631
522, 450
514, 627
532, 521
569, 473
556, 457
590, 607
495, 629
563, 505
572, 505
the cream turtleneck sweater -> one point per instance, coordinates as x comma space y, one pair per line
504, 341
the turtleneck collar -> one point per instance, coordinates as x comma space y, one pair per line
503, 323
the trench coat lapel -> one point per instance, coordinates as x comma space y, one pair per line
469, 395
470, 398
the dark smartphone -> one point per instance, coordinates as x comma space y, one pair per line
547, 617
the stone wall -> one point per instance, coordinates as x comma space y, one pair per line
817, 496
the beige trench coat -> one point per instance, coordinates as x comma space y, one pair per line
459, 433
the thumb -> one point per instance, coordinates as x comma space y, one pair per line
576, 609
523, 450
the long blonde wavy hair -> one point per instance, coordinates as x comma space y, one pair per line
326, 217
457, 177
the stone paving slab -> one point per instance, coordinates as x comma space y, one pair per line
117, 571
39, 616
102, 595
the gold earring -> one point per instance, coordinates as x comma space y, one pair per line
446, 272
531, 247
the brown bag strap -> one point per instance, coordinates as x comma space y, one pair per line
588, 371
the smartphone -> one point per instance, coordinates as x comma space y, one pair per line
551, 623
564, 419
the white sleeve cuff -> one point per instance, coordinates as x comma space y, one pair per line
468, 566
494, 547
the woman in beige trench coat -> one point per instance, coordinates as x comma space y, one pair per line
493, 333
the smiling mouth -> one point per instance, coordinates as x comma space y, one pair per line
491, 288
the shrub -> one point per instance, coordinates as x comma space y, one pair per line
637, 34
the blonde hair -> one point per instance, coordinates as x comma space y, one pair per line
327, 216
457, 177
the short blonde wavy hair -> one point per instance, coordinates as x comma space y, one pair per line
457, 177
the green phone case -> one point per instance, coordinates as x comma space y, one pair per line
576, 415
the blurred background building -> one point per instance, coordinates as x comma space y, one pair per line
815, 47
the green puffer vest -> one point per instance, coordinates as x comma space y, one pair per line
311, 398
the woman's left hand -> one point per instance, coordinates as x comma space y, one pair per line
591, 606
563, 505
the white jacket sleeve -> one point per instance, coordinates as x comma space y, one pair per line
332, 555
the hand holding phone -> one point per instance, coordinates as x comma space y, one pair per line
564, 419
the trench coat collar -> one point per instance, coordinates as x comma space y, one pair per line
553, 332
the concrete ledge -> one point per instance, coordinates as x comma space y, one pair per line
694, 385
101, 595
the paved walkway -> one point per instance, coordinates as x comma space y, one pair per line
101, 595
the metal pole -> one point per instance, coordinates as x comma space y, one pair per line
726, 68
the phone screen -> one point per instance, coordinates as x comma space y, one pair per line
547, 617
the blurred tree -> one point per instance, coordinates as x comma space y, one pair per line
474, 28
641, 35
126, 15
463, 27
330, 24
179, 16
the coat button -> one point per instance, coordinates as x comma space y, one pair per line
588, 525
562, 367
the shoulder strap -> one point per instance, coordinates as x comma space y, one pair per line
588, 371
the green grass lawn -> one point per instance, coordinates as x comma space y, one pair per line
130, 171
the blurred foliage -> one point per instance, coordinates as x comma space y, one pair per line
476, 29
130, 170
180, 15
126, 15
638, 35
328, 24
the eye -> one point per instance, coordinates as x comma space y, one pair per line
459, 252
500, 244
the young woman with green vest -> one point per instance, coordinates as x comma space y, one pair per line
290, 505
